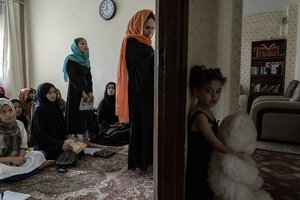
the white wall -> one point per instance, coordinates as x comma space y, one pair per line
53, 24
214, 41
255, 6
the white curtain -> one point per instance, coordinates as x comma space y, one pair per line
13, 64
2, 17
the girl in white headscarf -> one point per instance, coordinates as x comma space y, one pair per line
15, 162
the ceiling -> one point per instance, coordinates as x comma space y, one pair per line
254, 6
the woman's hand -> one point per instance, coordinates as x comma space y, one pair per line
67, 147
17, 161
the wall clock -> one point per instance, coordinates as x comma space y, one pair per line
107, 9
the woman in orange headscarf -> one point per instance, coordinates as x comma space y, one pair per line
135, 88
26, 97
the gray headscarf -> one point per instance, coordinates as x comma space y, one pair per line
10, 135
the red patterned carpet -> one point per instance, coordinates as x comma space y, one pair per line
92, 179
281, 173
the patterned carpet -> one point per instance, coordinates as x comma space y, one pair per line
93, 178
281, 173
108, 178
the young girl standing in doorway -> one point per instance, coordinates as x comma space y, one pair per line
206, 85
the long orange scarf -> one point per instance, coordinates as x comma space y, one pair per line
135, 29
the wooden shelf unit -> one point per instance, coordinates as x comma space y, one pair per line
267, 70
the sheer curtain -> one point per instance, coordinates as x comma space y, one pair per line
2, 15
13, 66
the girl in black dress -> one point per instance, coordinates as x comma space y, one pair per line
77, 71
206, 85
48, 126
111, 131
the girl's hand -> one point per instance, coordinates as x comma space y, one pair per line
240, 155
17, 161
67, 147
84, 96
91, 96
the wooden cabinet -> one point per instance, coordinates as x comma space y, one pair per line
267, 71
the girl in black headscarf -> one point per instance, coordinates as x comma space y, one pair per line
111, 132
20, 112
48, 126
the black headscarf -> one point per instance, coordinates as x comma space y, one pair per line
52, 108
47, 127
22, 117
106, 109
110, 99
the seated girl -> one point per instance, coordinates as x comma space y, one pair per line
20, 112
26, 97
15, 162
47, 124
2, 93
111, 132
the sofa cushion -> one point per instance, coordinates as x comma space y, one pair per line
296, 95
290, 89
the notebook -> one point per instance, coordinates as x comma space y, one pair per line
104, 153
10, 195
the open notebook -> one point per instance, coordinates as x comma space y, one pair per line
86, 105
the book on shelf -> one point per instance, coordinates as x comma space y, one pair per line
86, 105
76, 145
257, 87
276, 88
270, 88
264, 88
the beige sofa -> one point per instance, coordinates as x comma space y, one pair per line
277, 118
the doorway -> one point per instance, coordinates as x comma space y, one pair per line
170, 98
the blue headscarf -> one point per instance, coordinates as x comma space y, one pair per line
77, 56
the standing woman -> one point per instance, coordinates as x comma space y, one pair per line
134, 97
77, 70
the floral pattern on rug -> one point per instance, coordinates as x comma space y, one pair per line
130, 185
280, 172
93, 178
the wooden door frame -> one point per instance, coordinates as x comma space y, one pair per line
170, 98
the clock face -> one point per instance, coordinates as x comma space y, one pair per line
107, 9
